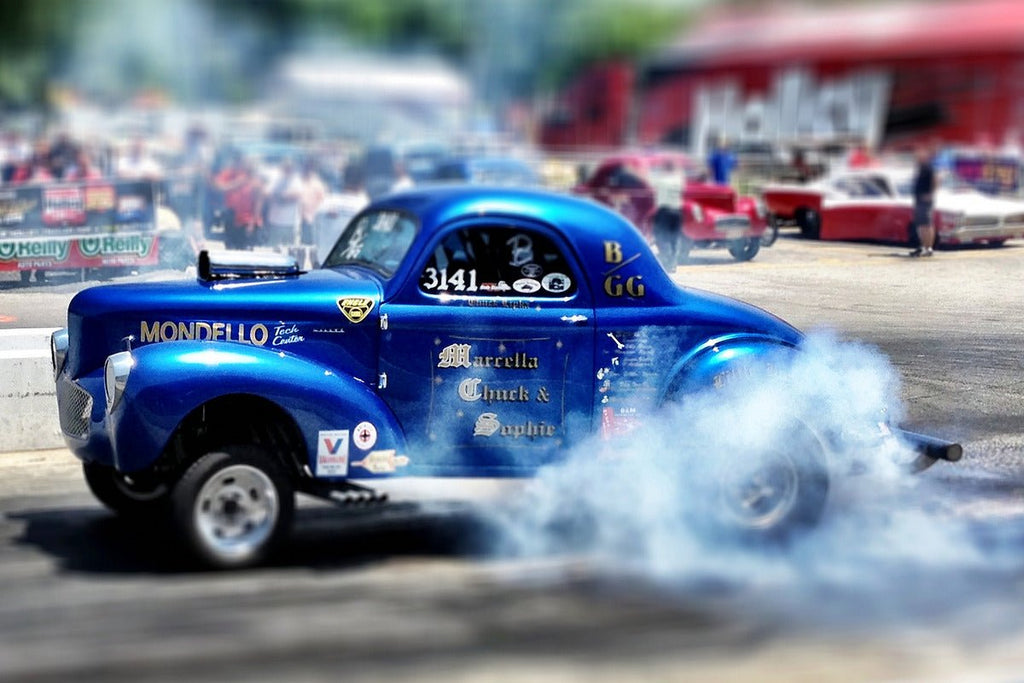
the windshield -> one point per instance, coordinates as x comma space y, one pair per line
378, 240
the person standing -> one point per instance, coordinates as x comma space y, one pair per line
81, 168
924, 201
283, 210
242, 201
138, 163
313, 194
721, 162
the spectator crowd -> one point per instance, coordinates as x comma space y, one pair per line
254, 201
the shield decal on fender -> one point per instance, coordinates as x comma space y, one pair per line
355, 308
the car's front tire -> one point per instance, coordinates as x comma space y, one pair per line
121, 494
233, 507
745, 249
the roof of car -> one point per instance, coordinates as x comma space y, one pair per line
647, 157
436, 206
588, 226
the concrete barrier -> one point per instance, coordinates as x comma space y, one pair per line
28, 401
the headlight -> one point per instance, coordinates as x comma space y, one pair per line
115, 376
697, 212
762, 210
58, 350
950, 219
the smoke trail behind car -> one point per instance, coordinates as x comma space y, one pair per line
648, 503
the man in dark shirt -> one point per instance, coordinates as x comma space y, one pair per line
924, 201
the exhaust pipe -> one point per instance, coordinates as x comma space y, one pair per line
929, 449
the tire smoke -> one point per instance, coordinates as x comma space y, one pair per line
651, 502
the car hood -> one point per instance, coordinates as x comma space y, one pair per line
312, 313
975, 203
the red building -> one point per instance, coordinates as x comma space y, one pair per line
885, 74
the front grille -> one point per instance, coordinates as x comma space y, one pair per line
75, 405
980, 221
732, 223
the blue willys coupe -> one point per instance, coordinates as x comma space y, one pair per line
451, 332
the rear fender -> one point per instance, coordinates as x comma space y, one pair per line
716, 361
171, 380
718, 364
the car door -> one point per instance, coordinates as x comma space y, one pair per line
487, 351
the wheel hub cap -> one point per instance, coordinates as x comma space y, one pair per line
236, 511
761, 497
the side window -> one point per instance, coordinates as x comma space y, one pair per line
602, 176
497, 260
626, 179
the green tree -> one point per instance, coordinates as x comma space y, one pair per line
35, 38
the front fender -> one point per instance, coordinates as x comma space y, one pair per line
172, 379
748, 206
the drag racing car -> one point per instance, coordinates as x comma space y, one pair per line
456, 332
661, 193
876, 204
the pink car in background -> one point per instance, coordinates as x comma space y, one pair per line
660, 194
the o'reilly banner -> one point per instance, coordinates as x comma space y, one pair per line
77, 225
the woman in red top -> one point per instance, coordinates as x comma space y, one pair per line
243, 198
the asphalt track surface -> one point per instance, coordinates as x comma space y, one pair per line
916, 581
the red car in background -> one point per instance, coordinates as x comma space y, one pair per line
875, 204
663, 195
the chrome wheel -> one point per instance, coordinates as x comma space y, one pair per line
236, 512
763, 494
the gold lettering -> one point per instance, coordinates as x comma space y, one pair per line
259, 334
612, 252
615, 286
149, 332
612, 287
517, 361
171, 330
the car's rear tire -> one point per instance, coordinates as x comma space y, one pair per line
809, 222
124, 495
776, 494
233, 507
745, 249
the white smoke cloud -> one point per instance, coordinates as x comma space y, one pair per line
641, 504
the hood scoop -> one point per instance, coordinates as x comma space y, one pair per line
234, 265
